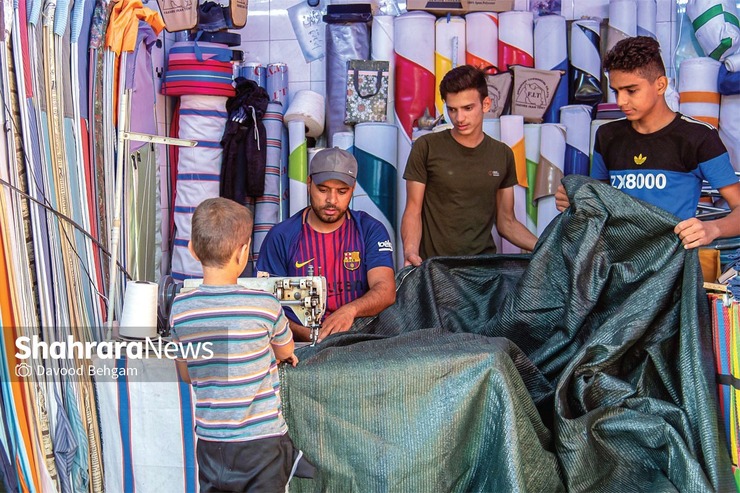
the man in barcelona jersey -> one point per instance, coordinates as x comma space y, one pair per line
350, 248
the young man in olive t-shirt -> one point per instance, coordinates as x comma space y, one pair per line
459, 181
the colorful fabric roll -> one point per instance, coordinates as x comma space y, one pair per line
725, 332
622, 25
592, 139
297, 166
127, 405
344, 140
716, 26
551, 53
585, 60
381, 48
267, 207
198, 68
414, 47
449, 52
549, 173
697, 88
647, 11
516, 39
492, 127
202, 118
532, 155
577, 122
254, 71
729, 127
375, 191
481, 40
512, 134
276, 83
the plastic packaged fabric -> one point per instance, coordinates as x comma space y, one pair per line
344, 42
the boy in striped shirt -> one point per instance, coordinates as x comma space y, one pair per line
243, 443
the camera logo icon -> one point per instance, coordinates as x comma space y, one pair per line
23, 370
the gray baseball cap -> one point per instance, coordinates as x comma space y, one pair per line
334, 164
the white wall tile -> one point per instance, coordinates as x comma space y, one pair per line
256, 51
258, 22
280, 26
289, 52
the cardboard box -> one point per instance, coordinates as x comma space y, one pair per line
460, 6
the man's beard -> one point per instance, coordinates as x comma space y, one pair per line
319, 211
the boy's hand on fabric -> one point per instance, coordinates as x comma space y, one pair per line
695, 233
292, 360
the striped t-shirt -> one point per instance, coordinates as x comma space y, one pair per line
237, 389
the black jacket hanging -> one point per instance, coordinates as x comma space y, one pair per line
244, 143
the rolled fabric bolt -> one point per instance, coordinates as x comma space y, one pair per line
449, 51
297, 166
647, 11
551, 53
375, 191
381, 48
512, 134
267, 207
276, 82
481, 40
414, 91
577, 121
585, 59
550, 172
532, 155
622, 25
516, 39
697, 89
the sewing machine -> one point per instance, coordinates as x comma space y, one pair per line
304, 296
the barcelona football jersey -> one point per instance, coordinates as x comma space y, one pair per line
343, 256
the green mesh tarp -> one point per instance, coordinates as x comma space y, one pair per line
587, 367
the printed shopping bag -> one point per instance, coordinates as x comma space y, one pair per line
367, 91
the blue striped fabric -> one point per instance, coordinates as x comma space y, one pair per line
80, 470
124, 412
198, 176
207, 113
188, 437
65, 446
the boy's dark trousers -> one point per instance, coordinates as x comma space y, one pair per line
259, 466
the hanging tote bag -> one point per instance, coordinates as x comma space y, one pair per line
367, 91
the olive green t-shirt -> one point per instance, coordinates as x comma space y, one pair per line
459, 207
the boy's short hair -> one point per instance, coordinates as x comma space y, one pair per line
218, 228
639, 54
462, 78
